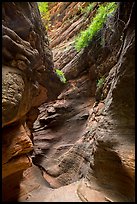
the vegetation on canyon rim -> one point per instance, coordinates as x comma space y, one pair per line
43, 7
44, 12
103, 12
85, 37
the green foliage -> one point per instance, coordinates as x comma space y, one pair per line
89, 8
43, 7
100, 82
61, 75
97, 23
44, 11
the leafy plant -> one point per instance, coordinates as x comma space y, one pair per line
61, 75
43, 7
103, 12
44, 11
100, 82
89, 8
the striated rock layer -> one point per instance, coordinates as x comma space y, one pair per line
27, 81
88, 132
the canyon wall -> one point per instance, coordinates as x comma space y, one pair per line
27, 81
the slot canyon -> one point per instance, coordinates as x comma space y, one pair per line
68, 115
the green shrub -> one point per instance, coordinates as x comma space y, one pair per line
43, 7
100, 82
97, 23
61, 75
44, 12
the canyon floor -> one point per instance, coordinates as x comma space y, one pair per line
38, 190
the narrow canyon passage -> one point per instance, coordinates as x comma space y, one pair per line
62, 123
71, 136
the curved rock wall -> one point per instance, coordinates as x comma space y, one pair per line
27, 81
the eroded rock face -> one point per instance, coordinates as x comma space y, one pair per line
28, 66
75, 137
27, 82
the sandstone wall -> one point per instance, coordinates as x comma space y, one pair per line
27, 82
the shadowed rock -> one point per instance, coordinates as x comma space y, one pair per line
27, 81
